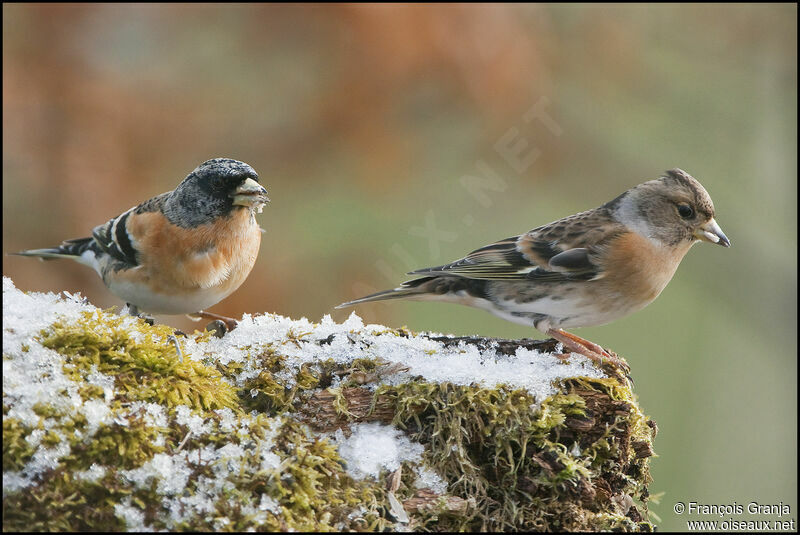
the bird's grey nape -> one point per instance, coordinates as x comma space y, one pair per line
189, 205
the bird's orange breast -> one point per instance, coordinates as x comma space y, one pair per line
217, 255
639, 268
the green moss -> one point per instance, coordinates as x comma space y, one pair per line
492, 447
16, 450
62, 503
318, 494
43, 410
147, 369
310, 485
88, 392
278, 388
123, 446
340, 403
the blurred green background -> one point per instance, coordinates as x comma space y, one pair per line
398, 137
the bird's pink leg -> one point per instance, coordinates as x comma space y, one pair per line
584, 347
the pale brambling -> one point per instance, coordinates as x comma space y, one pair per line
182, 251
587, 269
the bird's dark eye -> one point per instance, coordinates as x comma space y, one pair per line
685, 211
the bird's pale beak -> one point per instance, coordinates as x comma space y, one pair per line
250, 193
711, 233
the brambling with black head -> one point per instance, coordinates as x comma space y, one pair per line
182, 251
586, 269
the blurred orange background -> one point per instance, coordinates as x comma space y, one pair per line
394, 137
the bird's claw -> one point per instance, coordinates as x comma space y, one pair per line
575, 344
218, 328
228, 323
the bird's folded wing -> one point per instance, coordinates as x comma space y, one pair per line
113, 238
521, 258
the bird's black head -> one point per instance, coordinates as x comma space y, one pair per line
212, 190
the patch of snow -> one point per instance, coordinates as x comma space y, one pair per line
195, 423
97, 413
132, 516
170, 472
94, 474
373, 447
428, 479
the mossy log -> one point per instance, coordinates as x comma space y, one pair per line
107, 426
597, 418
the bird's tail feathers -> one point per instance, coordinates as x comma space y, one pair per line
68, 249
407, 289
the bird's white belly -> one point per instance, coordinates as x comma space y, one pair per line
566, 312
548, 306
157, 303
